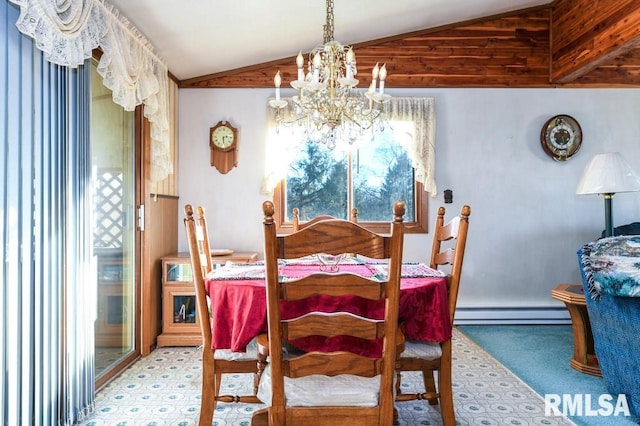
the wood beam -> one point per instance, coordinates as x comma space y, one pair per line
586, 34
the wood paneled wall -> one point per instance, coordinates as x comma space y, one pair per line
161, 239
509, 50
585, 38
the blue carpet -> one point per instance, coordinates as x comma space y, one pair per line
539, 355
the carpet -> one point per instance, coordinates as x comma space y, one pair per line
539, 355
163, 389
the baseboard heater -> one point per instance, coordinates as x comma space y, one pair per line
502, 315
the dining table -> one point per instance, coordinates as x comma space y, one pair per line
238, 304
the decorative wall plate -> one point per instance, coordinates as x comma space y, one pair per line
561, 137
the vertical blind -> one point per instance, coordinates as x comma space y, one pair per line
46, 299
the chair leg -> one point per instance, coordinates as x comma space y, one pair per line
218, 383
260, 417
446, 387
208, 401
429, 385
262, 364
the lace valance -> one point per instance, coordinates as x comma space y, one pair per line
283, 144
68, 30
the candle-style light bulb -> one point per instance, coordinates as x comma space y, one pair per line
300, 64
277, 81
374, 78
317, 61
351, 57
383, 76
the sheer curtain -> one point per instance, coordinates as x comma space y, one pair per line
46, 324
282, 143
67, 32
420, 111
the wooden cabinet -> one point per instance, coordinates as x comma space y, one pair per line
180, 325
112, 302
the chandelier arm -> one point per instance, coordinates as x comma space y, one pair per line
367, 122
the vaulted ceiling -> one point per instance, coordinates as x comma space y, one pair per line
567, 43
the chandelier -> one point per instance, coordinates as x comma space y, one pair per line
328, 105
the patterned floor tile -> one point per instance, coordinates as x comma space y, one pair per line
164, 389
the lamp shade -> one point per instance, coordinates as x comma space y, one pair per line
608, 173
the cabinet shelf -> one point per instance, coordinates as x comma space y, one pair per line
180, 324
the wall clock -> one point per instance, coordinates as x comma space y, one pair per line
561, 137
223, 141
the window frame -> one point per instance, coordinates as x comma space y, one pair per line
418, 226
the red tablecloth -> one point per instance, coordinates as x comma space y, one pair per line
239, 310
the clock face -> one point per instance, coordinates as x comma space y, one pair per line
561, 137
222, 137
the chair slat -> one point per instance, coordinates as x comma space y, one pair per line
329, 325
334, 284
445, 257
332, 364
333, 236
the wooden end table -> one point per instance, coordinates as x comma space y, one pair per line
584, 358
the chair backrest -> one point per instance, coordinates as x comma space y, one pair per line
201, 264
453, 253
333, 237
297, 225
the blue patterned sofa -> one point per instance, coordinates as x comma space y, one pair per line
610, 269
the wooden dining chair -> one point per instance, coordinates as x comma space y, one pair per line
215, 363
449, 242
330, 387
297, 225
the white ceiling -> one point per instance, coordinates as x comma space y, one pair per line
200, 37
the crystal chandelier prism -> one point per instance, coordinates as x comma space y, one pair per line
328, 105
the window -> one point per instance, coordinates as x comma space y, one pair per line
370, 179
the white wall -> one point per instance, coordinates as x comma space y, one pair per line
526, 221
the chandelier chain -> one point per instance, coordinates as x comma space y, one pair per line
328, 27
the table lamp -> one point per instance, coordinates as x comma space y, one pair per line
607, 174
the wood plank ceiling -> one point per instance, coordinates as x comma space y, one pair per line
571, 43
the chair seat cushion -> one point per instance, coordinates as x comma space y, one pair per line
422, 350
228, 355
318, 390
